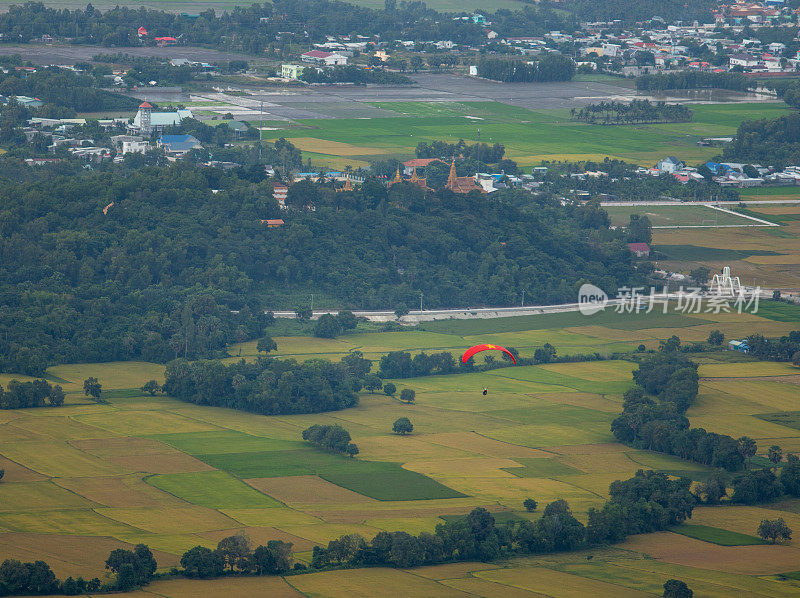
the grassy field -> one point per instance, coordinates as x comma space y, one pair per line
529, 136
677, 215
90, 477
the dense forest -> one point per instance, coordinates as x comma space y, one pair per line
774, 142
641, 10
551, 67
636, 111
176, 269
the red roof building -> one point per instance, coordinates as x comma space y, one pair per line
639, 249
141, 31
273, 223
145, 105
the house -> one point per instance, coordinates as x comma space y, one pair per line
146, 121
177, 145
29, 102
743, 60
639, 249
273, 223
739, 346
166, 41
670, 165
292, 71
323, 58
141, 32
180, 62
239, 127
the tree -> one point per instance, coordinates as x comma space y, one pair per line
675, 588
790, 475
266, 344
544, 354
151, 387
92, 388
402, 426
715, 337
401, 311
775, 455
529, 504
372, 382
389, 389
747, 448
57, 396
202, 562
351, 450
2, 473
640, 230
774, 531
347, 320
327, 326
235, 550
133, 567
407, 395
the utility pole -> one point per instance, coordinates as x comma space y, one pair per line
523, 298
312, 303
420, 301
261, 135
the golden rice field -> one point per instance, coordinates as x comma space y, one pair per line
86, 478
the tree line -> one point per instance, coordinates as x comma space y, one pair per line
692, 80
182, 266
653, 414
550, 67
785, 348
481, 152
353, 74
648, 502
636, 111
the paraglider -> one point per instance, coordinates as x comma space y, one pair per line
479, 348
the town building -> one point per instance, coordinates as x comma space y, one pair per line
177, 145
147, 122
321, 58
292, 71
461, 184
639, 249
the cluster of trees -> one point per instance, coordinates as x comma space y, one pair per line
354, 74
692, 80
268, 386
64, 88
653, 413
636, 111
133, 568
775, 141
648, 502
235, 554
175, 269
481, 152
332, 438
330, 326
21, 395
785, 348
550, 67
402, 426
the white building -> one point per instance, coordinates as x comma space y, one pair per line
324, 58
292, 71
135, 147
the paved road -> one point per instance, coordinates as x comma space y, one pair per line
469, 313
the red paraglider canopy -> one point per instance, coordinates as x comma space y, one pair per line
478, 348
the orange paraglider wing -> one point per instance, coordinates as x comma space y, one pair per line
479, 348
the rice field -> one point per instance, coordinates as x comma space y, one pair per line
87, 477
